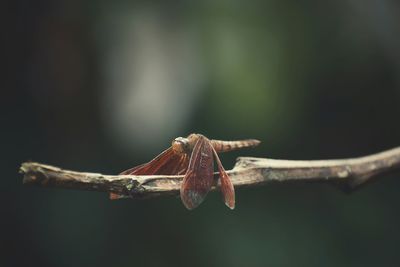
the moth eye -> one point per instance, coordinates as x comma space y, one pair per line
185, 144
178, 146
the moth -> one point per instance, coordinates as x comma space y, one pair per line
194, 157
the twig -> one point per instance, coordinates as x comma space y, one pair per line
348, 173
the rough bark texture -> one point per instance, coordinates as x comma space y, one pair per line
348, 173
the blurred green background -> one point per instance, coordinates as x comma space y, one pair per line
105, 85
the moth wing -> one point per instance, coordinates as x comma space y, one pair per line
227, 189
167, 163
199, 176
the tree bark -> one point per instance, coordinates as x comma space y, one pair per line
349, 174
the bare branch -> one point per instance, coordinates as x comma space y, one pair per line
349, 173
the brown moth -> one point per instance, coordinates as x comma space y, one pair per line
194, 157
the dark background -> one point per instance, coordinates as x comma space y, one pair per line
105, 85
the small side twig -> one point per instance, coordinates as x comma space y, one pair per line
349, 173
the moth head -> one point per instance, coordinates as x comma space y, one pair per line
180, 145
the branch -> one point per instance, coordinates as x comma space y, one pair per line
348, 173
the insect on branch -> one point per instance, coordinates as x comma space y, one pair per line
349, 173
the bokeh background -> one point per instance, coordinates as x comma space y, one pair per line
105, 85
